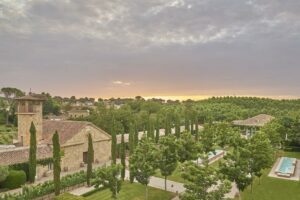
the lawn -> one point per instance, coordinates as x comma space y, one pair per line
274, 188
133, 191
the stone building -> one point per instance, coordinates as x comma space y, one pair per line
73, 137
73, 114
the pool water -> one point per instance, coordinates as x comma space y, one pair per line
286, 165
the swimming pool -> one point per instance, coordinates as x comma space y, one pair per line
286, 166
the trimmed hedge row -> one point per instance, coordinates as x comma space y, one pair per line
31, 192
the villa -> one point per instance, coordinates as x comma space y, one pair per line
251, 125
73, 137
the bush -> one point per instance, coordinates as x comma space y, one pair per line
68, 196
14, 180
3, 173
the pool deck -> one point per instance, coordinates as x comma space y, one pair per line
296, 177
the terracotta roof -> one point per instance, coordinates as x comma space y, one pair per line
21, 154
65, 129
257, 121
33, 97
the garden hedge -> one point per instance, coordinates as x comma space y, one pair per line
14, 180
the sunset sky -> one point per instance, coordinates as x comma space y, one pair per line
175, 48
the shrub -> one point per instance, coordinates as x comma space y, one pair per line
14, 180
3, 173
68, 196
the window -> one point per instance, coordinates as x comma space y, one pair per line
85, 157
49, 166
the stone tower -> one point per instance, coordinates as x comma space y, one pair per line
29, 109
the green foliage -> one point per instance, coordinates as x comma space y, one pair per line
90, 159
109, 178
32, 153
113, 143
131, 148
3, 173
123, 157
167, 162
14, 180
188, 148
143, 162
56, 163
200, 179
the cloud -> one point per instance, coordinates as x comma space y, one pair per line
121, 83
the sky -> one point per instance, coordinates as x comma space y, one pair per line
154, 48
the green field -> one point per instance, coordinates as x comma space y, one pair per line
7, 134
133, 191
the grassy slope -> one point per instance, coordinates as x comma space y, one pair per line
133, 191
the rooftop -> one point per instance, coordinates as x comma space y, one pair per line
256, 121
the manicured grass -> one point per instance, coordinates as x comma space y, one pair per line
133, 191
274, 188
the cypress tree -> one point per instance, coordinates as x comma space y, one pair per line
56, 163
167, 125
157, 130
123, 157
90, 160
177, 126
113, 143
131, 148
136, 134
32, 153
197, 129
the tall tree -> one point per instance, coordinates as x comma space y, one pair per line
131, 148
143, 162
123, 157
10, 94
200, 180
261, 154
167, 162
113, 143
188, 148
157, 132
109, 177
177, 126
90, 160
32, 153
136, 134
56, 163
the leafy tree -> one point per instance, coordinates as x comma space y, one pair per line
3, 173
109, 178
90, 160
208, 137
32, 153
275, 132
10, 94
167, 162
56, 163
188, 148
261, 154
236, 167
150, 131
200, 180
143, 162
123, 157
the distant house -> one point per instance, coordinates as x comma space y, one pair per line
251, 125
78, 113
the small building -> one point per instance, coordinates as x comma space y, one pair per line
73, 136
73, 114
251, 125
